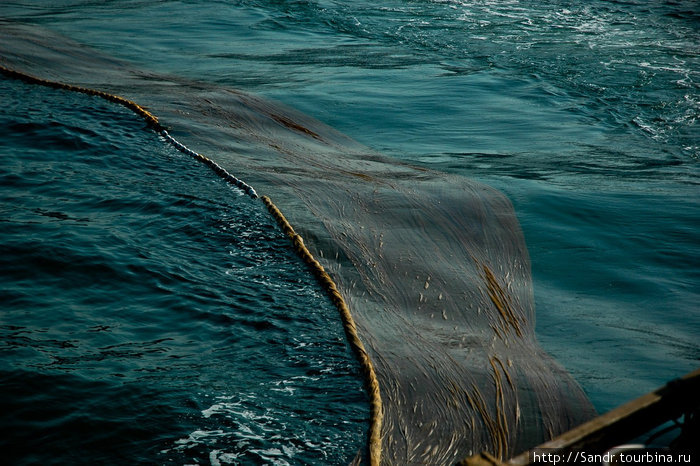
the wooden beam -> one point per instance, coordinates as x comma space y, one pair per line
618, 426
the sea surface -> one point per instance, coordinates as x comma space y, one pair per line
151, 313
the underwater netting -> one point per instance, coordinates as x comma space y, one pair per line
429, 271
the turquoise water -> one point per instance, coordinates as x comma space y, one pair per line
583, 113
152, 313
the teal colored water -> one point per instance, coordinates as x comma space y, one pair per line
151, 312
584, 113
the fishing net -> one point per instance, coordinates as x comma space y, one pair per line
432, 267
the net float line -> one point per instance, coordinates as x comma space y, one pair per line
374, 444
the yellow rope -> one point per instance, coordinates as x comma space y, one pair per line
371, 381
376, 411
133, 106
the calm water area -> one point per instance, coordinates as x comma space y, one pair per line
150, 313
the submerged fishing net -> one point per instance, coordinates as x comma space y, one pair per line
433, 267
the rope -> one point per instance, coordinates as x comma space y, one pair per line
371, 382
147, 116
218, 169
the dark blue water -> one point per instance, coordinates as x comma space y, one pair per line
150, 312
133, 275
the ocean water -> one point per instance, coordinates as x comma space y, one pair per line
151, 313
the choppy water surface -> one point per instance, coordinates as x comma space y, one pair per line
151, 313
583, 113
